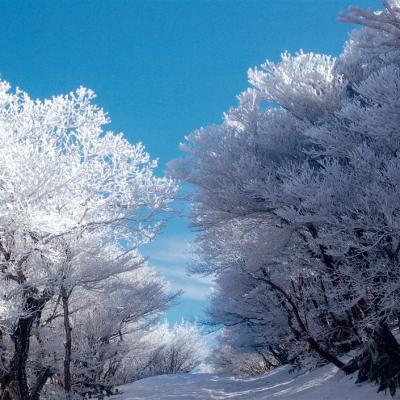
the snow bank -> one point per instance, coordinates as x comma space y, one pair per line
326, 383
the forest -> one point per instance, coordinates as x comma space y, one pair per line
294, 202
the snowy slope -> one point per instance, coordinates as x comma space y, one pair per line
325, 383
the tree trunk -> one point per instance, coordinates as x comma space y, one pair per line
314, 345
15, 384
379, 362
41, 380
65, 294
21, 339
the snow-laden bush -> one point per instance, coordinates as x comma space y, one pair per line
177, 349
165, 350
227, 360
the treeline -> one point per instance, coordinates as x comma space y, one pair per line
297, 207
79, 304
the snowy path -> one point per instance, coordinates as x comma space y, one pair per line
326, 383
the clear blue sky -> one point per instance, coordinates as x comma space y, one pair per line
160, 69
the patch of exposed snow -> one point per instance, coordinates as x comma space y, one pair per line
326, 383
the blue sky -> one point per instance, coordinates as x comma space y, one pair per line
161, 69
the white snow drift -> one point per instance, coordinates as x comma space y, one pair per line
326, 383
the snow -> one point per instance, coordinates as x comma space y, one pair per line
326, 383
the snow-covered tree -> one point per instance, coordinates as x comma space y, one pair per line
163, 350
177, 349
297, 202
76, 203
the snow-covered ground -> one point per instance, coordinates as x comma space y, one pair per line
326, 383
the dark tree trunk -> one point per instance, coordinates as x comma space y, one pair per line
65, 294
379, 362
313, 343
15, 383
21, 340
41, 380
